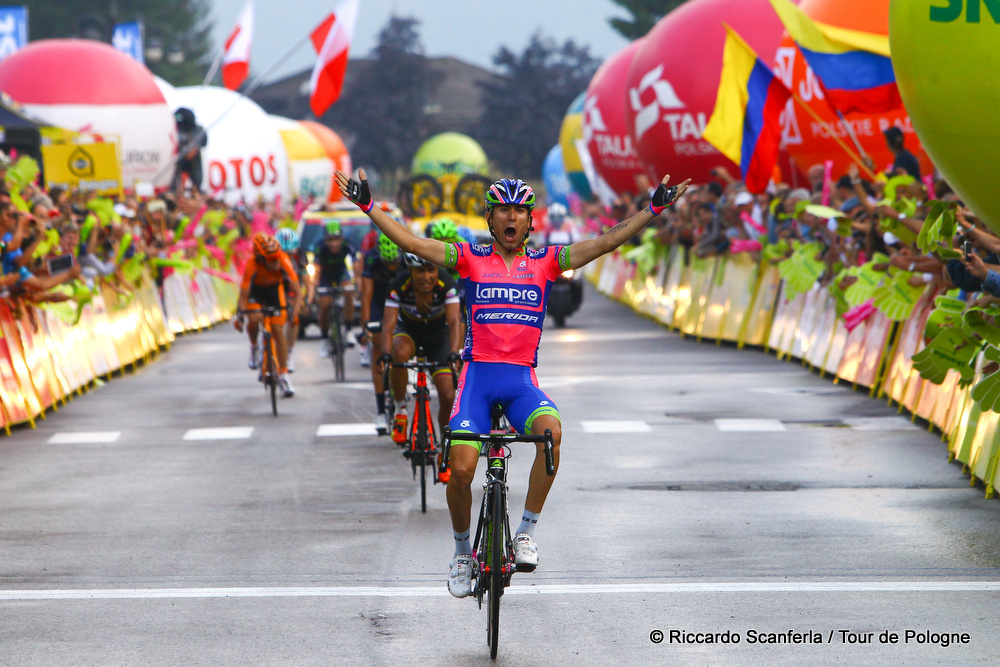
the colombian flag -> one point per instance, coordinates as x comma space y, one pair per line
854, 67
744, 124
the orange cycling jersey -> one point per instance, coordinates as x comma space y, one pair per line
259, 275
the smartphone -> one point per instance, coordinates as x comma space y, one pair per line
60, 264
966, 252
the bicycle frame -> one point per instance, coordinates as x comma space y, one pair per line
493, 547
421, 445
269, 365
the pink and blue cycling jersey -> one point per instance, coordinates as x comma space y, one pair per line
505, 308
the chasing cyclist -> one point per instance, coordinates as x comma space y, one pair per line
265, 279
288, 239
381, 264
332, 274
505, 288
421, 311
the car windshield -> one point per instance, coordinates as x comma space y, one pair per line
354, 231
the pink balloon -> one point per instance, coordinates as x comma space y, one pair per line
604, 126
674, 77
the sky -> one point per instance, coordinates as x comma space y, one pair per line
470, 30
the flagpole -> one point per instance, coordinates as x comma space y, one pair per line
215, 66
833, 134
850, 133
196, 139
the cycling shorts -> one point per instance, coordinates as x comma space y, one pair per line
436, 348
272, 296
483, 384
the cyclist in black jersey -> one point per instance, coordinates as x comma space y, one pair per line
332, 273
381, 264
422, 310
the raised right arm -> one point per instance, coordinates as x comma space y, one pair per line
432, 250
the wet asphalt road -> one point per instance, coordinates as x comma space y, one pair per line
809, 509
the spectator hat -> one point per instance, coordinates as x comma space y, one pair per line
850, 204
743, 198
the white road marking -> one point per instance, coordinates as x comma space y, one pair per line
881, 424
541, 589
85, 438
345, 429
748, 425
615, 427
228, 433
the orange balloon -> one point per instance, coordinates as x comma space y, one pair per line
809, 141
335, 150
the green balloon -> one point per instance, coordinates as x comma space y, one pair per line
450, 153
946, 54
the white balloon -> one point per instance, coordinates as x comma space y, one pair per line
310, 171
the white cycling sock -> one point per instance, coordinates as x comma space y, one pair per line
528, 521
463, 546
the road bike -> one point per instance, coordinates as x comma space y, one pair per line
268, 374
337, 336
421, 443
493, 546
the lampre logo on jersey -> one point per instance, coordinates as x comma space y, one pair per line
518, 295
508, 316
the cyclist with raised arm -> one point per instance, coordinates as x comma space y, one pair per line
421, 310
264, 282
330, 260
505, 289
288, 239
380, 266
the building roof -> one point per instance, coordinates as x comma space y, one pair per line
455, 104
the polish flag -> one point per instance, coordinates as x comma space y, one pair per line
328, 74
236, 62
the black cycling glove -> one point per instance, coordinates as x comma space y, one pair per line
359, 193
662, 198
385, 358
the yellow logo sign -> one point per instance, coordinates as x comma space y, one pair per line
91, 167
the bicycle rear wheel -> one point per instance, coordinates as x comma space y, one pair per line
496, 562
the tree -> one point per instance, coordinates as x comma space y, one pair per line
180, 26
645, 14
523, 114
390, 124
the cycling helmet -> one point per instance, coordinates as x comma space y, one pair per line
387, 250
288, 239
510, 191
557, 211
415, 260
265, 245
332, 230
443, 230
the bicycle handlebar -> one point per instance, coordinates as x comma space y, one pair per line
497, 438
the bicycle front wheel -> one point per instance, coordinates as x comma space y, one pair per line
421, 454
497, 560
337, 347
271, 373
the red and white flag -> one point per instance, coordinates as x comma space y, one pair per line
236, 62
331, 64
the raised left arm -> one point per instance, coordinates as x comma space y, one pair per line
584, 252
